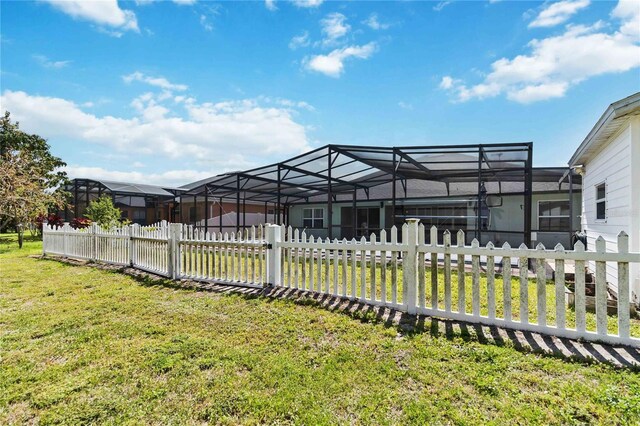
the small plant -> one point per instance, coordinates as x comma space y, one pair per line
103, 212
52, 220
80, 223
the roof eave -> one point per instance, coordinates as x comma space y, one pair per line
615, 111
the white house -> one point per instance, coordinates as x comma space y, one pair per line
609, 160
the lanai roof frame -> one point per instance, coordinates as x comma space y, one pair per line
344, 169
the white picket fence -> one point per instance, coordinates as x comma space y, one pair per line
178, 252
491, 290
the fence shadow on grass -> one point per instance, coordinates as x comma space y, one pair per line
407, 325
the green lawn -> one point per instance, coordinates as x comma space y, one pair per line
83, 345
295, 279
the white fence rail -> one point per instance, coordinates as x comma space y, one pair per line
488, 285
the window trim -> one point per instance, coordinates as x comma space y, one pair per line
554, 215
313, 218
600, 200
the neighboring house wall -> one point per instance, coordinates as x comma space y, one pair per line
617, 165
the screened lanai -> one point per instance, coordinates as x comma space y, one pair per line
336, 175
140, 203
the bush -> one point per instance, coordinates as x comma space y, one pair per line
103, 212
80, 223
52, 219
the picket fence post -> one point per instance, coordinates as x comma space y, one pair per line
130, 233
173, 254
44, 237
94, 242
65, 229
409, 265
274, 254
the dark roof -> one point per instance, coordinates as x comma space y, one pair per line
131, 188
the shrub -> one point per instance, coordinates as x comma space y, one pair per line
80, 223
103, 212
51, 218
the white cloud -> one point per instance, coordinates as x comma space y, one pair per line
557, 13
298, 41
47, 63
160, 82
447, 82
287, 103
332, 64
540, 92
224, 134
205, 23
405, 105
147, 105
307, 3
334, 27
629, 12
438, 7
557, 63
270, 5
178, 2
374, 23
104, 13
168, 178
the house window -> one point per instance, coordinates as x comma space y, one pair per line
313, 218
139, 216
554, 216
601, 201
192, 214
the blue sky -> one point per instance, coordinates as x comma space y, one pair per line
169, 92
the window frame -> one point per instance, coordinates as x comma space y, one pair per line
313, 217
139, 214
560, 216
601, 200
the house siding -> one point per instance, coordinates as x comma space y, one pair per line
616, 165
508, 217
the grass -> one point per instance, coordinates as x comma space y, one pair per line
327, 275
81, 345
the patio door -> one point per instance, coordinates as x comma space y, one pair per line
367, 222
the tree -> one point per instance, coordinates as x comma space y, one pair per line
30, 177
103, 212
